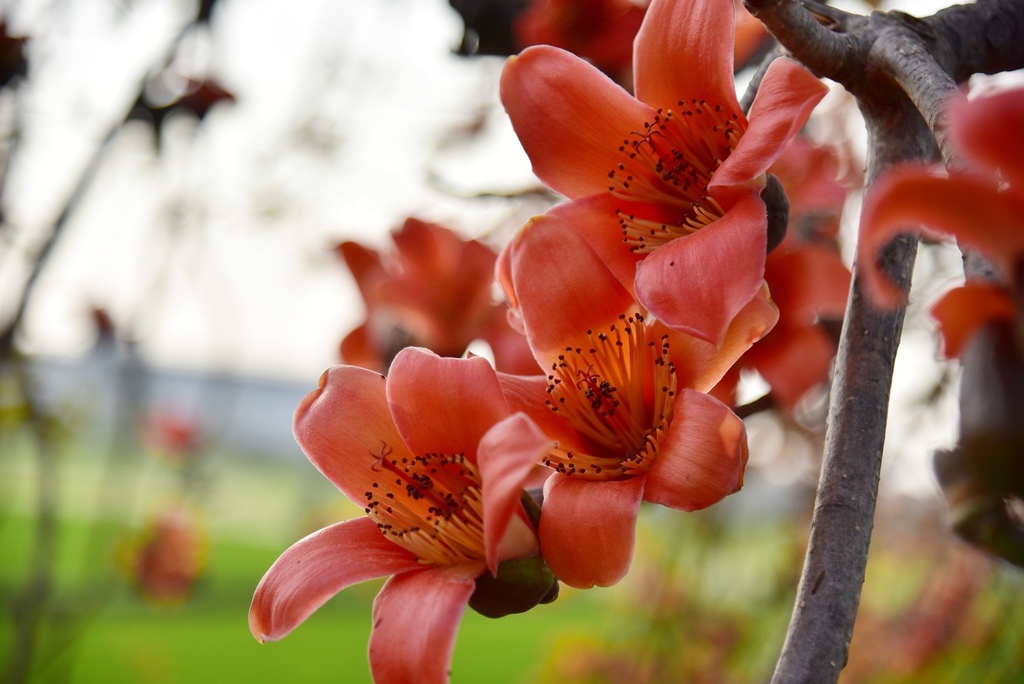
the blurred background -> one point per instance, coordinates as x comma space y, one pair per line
201, 201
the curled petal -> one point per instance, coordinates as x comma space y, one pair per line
963, 311
415, 618
697, 284
316, 568
702, 456
685, 50
787, 95
508, 453
443, 405
587, 528
344, 426
544, 91
699, 364
910, 199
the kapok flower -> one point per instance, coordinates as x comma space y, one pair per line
981, 208
808, 280
678, 160
167, 557
435, 291
623, 400
438, 462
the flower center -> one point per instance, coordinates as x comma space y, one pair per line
618, 393
670, 164
430, 505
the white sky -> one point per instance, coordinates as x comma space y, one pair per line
216, 251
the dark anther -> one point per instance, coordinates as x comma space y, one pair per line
775, 199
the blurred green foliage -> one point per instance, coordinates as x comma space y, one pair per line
707, 599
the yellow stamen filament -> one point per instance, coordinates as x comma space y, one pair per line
618, 393
429, 504
670, 163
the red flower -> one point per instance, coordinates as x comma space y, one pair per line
679, 159
624, 400
808, 280
172, 434
438, 462
168, 556
435, 291
982, 208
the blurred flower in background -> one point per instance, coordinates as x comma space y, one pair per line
167, 557
435, 290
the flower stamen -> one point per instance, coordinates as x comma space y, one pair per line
618, 392
429, 504
670, 164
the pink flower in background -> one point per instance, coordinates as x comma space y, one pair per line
623, 401
438, 461
174, 435
434, 291
679, 159
167, 557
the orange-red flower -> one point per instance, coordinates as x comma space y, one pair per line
623, 401
435, 291
168, 555
808, 280
679, 159
438, 462
982, 208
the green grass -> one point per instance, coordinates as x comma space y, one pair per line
101, 630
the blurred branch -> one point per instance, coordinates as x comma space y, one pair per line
42, 256
30, 607
902, 70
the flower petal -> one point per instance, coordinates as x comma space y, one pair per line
344, 425
443, 405
508, 453
596, 220
562, 287
529, 395
702, 456
968, 208
963, 311
792, 359
808, 282
787, 95
980, 127
570, 118
700, 364
316, 568
358, 349
415, 618
697, 284
684, 50
587, 528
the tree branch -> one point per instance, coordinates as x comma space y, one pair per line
903, 71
